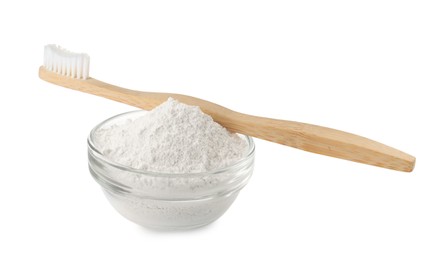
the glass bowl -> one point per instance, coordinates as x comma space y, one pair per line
167, 200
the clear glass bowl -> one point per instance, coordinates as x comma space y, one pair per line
167, 200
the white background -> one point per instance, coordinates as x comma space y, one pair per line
359, 66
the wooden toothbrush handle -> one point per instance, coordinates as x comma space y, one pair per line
322, 140
306, 137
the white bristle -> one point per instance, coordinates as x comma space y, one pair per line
66, 63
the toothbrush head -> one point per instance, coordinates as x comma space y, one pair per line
66, 63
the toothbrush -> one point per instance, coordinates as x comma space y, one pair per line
71, 70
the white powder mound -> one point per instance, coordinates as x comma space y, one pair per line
172, 138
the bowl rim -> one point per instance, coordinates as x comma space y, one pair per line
95, 152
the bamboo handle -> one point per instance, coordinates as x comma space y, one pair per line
306, 137
323, 140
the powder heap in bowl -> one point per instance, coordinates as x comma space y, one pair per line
172, 138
